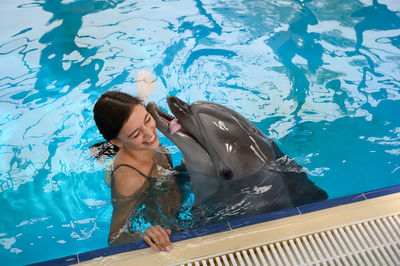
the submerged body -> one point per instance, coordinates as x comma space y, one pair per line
235, 169
157, 201
141, 172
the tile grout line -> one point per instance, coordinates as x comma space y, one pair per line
365, 197
229, 224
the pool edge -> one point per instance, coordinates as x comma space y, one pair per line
245, 232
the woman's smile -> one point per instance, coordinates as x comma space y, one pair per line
152, 140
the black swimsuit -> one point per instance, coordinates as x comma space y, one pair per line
157, 202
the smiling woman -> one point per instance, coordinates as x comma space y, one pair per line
316, 77
141, 171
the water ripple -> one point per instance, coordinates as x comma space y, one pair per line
319, 77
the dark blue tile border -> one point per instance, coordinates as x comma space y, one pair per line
331, 203
382, 192
265, 217
112, 250
217, 228
200, 231
69, 260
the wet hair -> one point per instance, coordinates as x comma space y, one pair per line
111, 111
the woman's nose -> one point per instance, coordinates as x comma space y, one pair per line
148, 131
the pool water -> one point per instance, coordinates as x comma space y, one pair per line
318, 77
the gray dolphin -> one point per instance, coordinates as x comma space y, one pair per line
234, 168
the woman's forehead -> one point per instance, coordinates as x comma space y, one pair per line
136, 118
138, 109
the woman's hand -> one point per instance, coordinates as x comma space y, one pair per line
158, 238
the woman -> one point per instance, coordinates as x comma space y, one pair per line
142, 180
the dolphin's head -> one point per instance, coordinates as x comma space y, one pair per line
214, 139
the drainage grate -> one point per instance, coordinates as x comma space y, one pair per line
373, 242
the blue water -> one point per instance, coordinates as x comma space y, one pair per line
318, 77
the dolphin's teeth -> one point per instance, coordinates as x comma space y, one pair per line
164, 117
170, 122
164, 122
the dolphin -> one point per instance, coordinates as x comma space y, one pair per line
234, 168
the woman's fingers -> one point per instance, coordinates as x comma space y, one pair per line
150, 243
164, 236
155, 236
159, 237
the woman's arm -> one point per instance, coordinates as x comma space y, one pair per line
131, 185
123, 236
155, 236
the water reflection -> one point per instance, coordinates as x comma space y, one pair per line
64, 64
46, 135
297, 41
340, 95
186, 50
198, 33
336, 152
375, 17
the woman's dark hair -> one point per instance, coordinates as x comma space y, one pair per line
112, 110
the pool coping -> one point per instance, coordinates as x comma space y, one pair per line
226, 226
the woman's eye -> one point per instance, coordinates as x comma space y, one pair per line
148, 120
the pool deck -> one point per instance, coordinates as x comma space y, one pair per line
252, 231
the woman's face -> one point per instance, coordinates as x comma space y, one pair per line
139, 131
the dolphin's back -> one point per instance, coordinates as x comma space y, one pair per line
301, 189
279, 185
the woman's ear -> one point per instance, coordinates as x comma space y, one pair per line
116, 143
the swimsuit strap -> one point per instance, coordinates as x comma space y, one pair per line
132, 167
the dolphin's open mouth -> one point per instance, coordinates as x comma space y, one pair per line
167, 120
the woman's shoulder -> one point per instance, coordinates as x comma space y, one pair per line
127, 180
